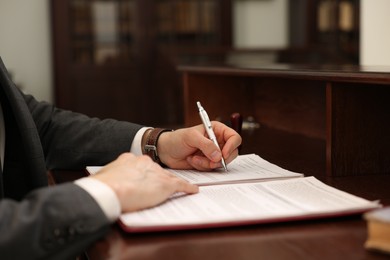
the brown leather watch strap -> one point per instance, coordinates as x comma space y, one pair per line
151, 143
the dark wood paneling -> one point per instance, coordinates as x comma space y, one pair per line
219, 96
360, 129
329, 119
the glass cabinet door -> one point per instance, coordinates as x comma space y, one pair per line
101, 31
106, 30
187, 22
118, 52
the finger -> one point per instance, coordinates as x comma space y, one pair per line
228, 139
231, 147
233, 155
202, 163
198, 139
184, 186
197, 163
170, 174
231, 140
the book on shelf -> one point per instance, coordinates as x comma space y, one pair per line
253, 191
186, 17
378, 229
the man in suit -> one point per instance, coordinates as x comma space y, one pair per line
37, 221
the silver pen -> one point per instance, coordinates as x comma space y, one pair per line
209, 129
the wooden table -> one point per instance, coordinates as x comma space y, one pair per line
328, 239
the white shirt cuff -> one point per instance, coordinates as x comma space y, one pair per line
103, 195
136, 148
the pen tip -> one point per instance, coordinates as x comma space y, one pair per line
224, 165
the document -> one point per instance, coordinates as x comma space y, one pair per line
253, 191
245, 168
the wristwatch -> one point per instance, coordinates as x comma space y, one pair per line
151, 143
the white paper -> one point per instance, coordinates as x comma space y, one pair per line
253, 190
248, 201
244, 168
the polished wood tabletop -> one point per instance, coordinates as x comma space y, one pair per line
333, 238
323, 239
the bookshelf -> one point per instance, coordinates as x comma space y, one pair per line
338, 25
118, 58
324, 31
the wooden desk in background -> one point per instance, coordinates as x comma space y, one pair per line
333, 124
340, 114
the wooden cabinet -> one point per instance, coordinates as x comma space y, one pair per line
313, 120
118, 58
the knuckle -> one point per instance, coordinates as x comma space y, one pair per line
126, 156
145, 158
177, 182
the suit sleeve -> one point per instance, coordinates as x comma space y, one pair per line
72, 140
59, 221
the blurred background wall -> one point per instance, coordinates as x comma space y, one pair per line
375, 32
25, 45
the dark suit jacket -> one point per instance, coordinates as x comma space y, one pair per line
56, 222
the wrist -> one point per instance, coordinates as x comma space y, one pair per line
150, 142
144, 139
